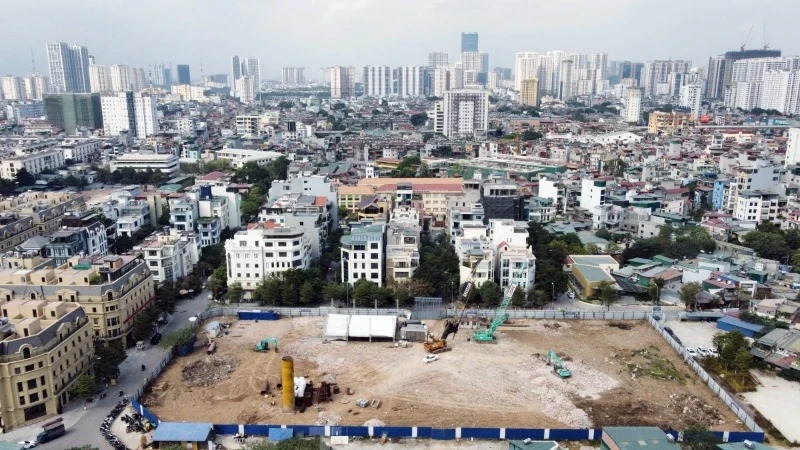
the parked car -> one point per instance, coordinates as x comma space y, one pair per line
571, 295
430, 358
27, 444
712, 353
703, 352
155, 339
672, 334
692, 352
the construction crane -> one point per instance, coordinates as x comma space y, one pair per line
500, 316
747, 38
558, 365
451, 326
766, 44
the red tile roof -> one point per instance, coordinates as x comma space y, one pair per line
320, 201
213, 176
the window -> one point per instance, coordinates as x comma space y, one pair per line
19, 386
374, 276
32, 384
281, 254
374, 265
373, 256
21, 400
34, 397
373, 245
282, 244
242, 243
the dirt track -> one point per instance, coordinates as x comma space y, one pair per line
502, 384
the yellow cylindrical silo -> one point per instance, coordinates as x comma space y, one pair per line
287, 376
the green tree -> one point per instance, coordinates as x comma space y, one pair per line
688, 294
407, 168
537, 297
123, 244
770, 245
530, 135
603, 233
606, 292
336, 291
490, 293
730, 347
518, 299
285, 104
24, 178
107, 359
654, 290
82, 387
418, 119
742, 361
307, 293
364, 292
164, 220
218, 281
235, 293
178, 337
166, 297
269, 291
143, 324
592, 249
698, 437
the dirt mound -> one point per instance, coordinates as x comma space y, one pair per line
695, 410
210, 370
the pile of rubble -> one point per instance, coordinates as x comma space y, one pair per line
695, 410
210, 370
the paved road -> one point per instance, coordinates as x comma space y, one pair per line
83, 426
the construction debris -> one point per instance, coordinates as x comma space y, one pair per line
621, 325
210, 370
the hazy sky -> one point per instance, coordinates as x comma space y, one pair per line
316, 33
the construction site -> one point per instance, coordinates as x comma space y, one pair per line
520, 373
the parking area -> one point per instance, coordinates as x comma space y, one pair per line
777, 400
694, 334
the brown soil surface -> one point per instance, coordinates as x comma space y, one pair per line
507, 383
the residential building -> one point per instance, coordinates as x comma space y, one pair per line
542, 210
120, 75
515, 266
669, 122
80, 149
166, 163
264, 250
12, 88
313, 185
71, 111
34, 163
343, 82
466, 112
632, 112
593, 193
792, 148
169, 257
221, 186
27, 110
529, 92
80, 234
69, 67
437, 59
32, 214
377, 81
134, 112
293, 76
410, 81
249, 125
45, 347
111, 289
402, 250
656, 74
35, 86
239, 156
363, 254
691, 96
462, 217
759, 206
501, 199
476, 259
183, 214
446, 79
349, 197
99, 78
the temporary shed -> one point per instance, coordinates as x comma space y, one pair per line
195, 433
344, 327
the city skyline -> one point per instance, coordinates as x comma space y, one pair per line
113, 40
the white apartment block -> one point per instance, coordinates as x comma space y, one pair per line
632, 112
34, 163
781, 91
377, 81
120, 77
410, 81
437, 59
264, 250
593, 193
315, 185
762, 177
364, 254
80, 149
793, 147
343, 81
244, 89
35, 86
402, 251
446, 79
515, 266
691, 96
166, 163
476, 259
169, 256
239, 156
100, 78
466, 112
249, 125
129, 111
758, 206
12, 88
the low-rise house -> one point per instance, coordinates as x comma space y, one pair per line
169, 256
777, 308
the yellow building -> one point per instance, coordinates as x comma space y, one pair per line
350, 196
44, 347
668, 122
432, 193
591, 270
529, 92
34, 213
111, 289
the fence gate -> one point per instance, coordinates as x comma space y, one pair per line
427, 308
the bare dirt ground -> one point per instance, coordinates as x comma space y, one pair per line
619, 377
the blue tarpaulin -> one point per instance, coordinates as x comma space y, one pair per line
280, 434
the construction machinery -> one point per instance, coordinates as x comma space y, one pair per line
263, 345
558, 366
433, 345
451, 326
487, 334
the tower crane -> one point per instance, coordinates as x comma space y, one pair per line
747, 38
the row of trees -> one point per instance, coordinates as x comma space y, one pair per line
411, 167
679, 243
769, 241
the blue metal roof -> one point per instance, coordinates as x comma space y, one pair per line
741, 324
182, 432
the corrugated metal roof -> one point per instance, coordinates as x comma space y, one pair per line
182, 432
